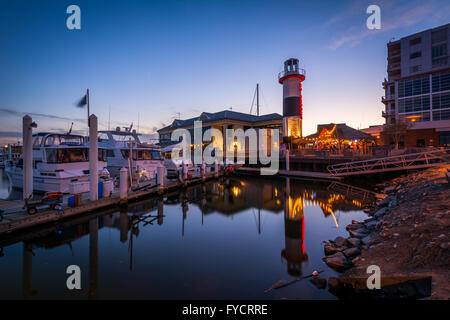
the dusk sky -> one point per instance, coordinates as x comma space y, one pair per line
158, 58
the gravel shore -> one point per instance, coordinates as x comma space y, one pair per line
406, 235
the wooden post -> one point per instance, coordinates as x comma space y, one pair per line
93, 158
123, 185
27, 135
160, 178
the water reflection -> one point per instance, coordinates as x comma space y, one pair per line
258, 198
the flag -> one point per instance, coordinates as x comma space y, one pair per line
82, 102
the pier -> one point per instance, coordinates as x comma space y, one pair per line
18, 220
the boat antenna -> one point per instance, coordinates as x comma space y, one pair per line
70, 130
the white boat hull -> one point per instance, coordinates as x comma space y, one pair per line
44, 184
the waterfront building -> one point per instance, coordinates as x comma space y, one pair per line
374, 131
417, 88
339, 136
222, 120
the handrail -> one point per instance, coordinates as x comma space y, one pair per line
391, 163
299, 71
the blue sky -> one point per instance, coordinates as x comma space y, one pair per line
158, 58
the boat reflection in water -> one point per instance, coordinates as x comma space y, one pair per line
165, 231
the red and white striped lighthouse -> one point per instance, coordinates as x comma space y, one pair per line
291, 78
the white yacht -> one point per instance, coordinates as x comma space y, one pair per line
145, 160
58, 161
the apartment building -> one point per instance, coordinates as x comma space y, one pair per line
417, 88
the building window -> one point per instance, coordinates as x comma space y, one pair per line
416, 69
413, 87
439, 50
441, 82
441, 115
441, 101
444, 139
415, 41
414, 104
439, 36
417, 117
416, 54
440, 62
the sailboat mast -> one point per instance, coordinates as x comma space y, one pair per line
257, 99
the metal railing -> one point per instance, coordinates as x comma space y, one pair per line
297, 71
393, 163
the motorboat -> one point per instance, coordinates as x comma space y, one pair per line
119, 144
59, 161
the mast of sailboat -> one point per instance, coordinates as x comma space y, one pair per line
257, 99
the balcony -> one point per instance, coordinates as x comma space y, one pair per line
387, 98
394, 54
394, 66
389, 113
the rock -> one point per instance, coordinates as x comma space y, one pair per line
365, 240
351, 252
392, 288
389, 189
380, 213
359, 233
337, 261
340, 242
372, 225
354, 226
384, 202
354, 242
319, 282
354, 261
329, 250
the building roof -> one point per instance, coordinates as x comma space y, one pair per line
340, 131
222, 115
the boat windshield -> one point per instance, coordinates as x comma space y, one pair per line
66, 140
68, 155
142, 154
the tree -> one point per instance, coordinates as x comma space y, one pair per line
397, 129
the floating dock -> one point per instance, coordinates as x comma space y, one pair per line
19, 220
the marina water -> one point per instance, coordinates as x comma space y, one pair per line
232, 238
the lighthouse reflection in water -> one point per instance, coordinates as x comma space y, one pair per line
227, 239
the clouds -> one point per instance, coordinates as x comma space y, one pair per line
392, 17
39, 115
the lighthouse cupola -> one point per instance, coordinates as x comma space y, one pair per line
291, 78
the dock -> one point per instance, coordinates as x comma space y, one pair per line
20, 220
10, 204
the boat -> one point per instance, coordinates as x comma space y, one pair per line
174, 167
10, 153
145, 160
60, 161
